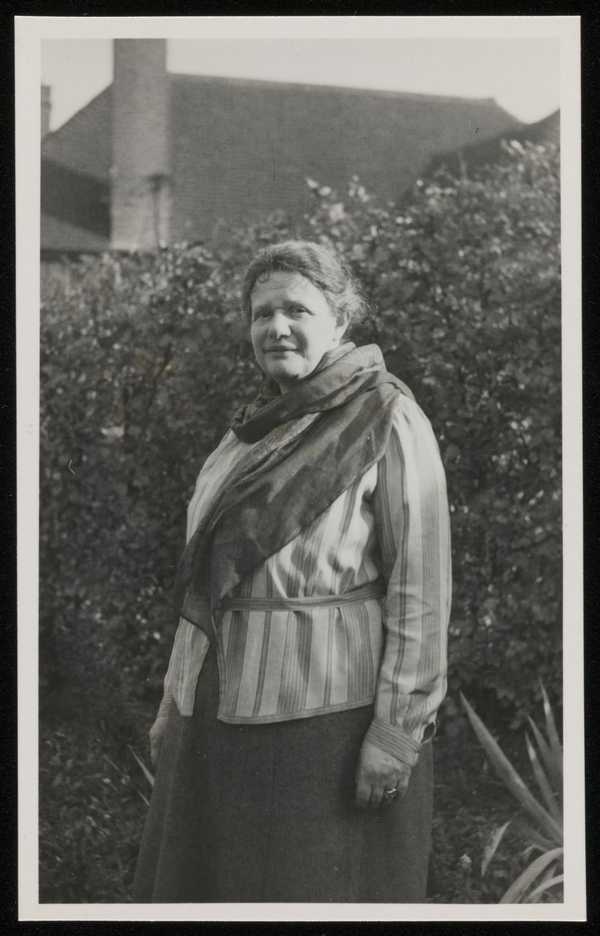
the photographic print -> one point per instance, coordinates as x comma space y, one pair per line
297, 435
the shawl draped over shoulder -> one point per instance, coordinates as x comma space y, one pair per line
290, 477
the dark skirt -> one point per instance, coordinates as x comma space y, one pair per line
266, 813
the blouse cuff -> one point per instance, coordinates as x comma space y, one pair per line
394, 741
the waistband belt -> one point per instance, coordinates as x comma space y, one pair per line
363, 593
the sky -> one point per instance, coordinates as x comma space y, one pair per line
522, 74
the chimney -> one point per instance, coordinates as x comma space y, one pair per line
46, 109
140, 189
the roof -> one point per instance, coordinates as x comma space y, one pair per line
242, 146
263, 84
546, 130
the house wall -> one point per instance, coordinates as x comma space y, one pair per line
75, 198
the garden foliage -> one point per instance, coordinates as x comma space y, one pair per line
544, 831
144, 357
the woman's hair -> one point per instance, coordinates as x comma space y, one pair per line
319, 264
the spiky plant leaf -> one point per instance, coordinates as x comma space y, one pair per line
142, 766
521, 885
492, 846
529, 849
542, 782
550, 872
511, 778
546, 885
551, 732
113, 765
533, 836
554, 771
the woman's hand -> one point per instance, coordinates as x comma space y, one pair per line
377, 772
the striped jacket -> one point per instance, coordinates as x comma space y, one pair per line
392, 524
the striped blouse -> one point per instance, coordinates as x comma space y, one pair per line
279, 664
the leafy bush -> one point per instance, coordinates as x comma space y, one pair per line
91, 813
137, 381
468, 800
144, 357
465, 285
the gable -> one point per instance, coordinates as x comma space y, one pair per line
84, 143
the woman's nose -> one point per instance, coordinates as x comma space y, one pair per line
279, 324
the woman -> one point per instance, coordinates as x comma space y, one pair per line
292, 748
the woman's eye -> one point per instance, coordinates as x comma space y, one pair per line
297, 310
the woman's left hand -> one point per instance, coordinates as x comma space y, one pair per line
376, 773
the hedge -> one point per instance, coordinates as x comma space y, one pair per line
144, 357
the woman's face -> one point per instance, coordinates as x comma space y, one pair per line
292, 327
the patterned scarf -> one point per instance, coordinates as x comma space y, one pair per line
294, 473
